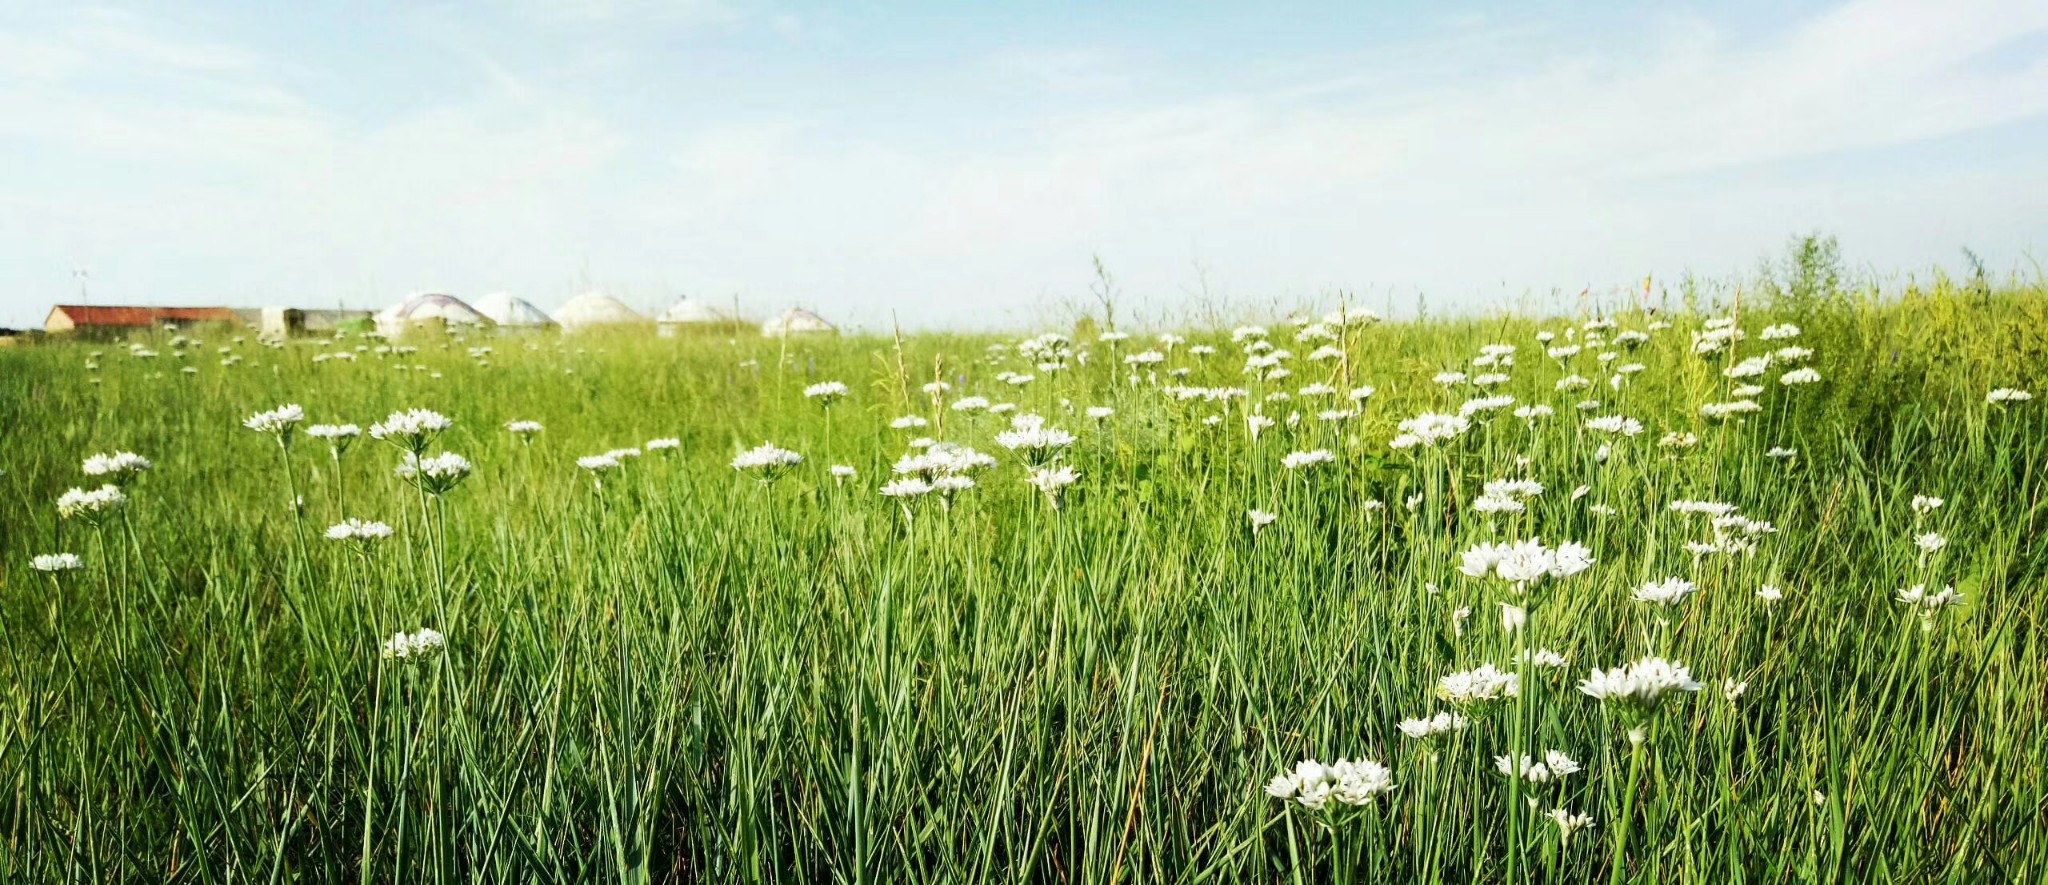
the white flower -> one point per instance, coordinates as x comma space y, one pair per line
1930, 542
1568, 823
1677, 439
1484, 404
1524, 562
1052, 481
1480, 684
358, 530
1925, 504
2004, 395
523, 428
1429, 429
1534, 413
906, 487
56, 562
1748, 368
1260, 519
1100, 412
1491, 504
116, 465
338, 436
437, 474
1641, 684
1542, 657
425, 644
908, 422
666, 443
1555, 766
1781, 453
1769, 593
1724, 411
970, 404
1430, 727
1930, 601
1300, 460
1732, 689
844, 471
1036, 442
933, 388
1314, 784
1512, 618
1670, 591
278, 421
91, 505
1775, 333
598, 463
767, 459
412, 429
826, 391
1617, 424
1799, 376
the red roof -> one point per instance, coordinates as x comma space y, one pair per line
94, 315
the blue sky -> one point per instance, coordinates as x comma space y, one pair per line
958, 164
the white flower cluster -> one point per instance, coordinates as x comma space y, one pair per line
437, 474
1615, 424
412, 429
1478, 685
1929, 603
422, 645
599, 463
826, 392
1524, 562
1640, 685
279, 421
1442, 722
1428, 429
523, 429
1506, 495
1667, 592
91, 505
767, 459
360, 530
1029, 436
2004, 395
1052, 481
1555, 766
116, 466
1314, 784
1301, 460
56, 562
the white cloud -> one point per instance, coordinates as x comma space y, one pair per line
1480, 161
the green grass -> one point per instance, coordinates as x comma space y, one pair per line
689, 675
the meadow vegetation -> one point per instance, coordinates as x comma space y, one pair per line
1091, 637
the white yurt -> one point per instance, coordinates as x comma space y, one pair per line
797, 321
688, 314
596, 310
427, 308
512, 312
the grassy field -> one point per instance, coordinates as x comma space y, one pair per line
662, 667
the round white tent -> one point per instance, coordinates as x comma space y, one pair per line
510, 311
797, 321
596, 310
427, 307
688, 314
